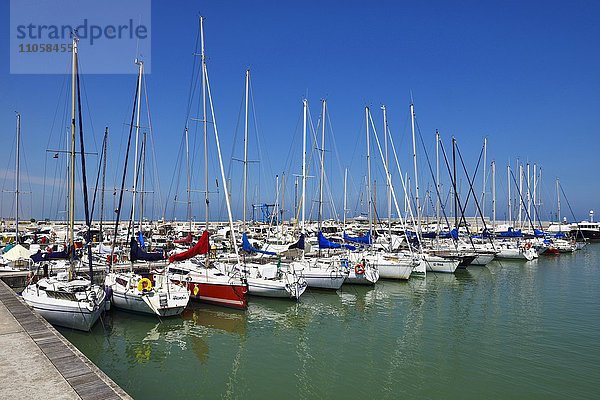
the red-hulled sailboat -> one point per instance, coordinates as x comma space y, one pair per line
205, 282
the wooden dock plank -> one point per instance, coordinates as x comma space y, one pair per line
87, 381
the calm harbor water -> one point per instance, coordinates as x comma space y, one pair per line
509, 330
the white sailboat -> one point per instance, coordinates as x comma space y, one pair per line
71, 303
270, 280
397, 265
511, 250
331, 277
210, 281
132, 292
264, 279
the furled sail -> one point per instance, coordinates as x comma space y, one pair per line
246, 246
364, 239
201, 247
299, 244
325, 243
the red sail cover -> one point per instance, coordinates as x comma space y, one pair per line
187, 239
200, 248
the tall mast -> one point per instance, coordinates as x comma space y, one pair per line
535, 190
509, 200
246, 146
558, 204
104, 145
456, 222
484, 178
137, 135
303, 200
345, 187
388, 181
143, 188
414, 143
539, 194
281, 212
219, 154
529, 192
17, 174
188, 179
494, 193
204, 121
369, 199
273, 218
296, 198
322, 164
520, 194
437, 179
72, 161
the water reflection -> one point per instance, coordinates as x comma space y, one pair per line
461, 335
209, 318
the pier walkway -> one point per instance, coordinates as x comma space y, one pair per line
37, 362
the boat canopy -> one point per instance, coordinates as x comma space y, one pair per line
299, 244
187, 239
201, 247
325, 243
453, 234
137, 253
246, 246
429, 235
364, 239
511, 233
50, 255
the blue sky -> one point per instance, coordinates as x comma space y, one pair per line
523, 74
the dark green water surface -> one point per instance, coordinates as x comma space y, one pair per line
526, 330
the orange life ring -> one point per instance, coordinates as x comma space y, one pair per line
527, 245
359, 269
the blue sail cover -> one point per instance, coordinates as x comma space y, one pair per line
411, 236
453, 234
58, 255
141, 240
364, 239
299, 244
38, 257
325, 243
429, 235
511, 233
559, 235
137, 253
484, 234
45, 256
246, 246
539, 233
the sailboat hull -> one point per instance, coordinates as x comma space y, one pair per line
483, 259
65, 313
233, 296
370, 276
164, 299
150, 304
272, 288
439, 264
395, 271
